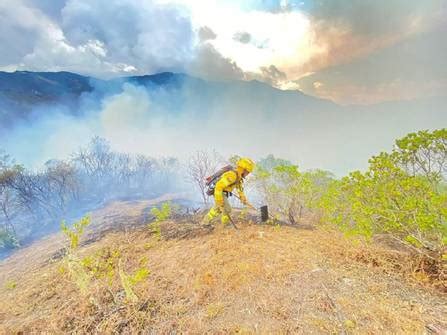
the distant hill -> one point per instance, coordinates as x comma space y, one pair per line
23, 91
316, 132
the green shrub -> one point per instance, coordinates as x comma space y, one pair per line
386, 199
287, 190
128, 282
99, 268
164, 212
403, 193
73, 264
74, 234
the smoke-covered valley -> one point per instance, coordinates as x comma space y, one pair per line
175, 115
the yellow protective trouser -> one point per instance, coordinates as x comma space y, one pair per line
215, 211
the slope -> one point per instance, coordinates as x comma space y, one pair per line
258, 279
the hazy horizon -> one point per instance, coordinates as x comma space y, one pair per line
383, 65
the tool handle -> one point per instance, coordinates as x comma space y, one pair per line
252, 207
232, 222
248, 204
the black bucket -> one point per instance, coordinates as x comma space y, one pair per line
264, 213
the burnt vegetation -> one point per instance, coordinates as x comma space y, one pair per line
33, 203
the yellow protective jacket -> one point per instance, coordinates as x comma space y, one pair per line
227, 183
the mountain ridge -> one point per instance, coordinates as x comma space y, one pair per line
23, 91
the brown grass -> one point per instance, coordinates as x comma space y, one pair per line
258, 279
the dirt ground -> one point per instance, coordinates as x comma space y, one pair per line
259, 279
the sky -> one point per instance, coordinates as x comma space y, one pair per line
351, 52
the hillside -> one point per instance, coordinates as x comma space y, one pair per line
258, 279
24, 93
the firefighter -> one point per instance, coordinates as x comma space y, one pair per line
229, 181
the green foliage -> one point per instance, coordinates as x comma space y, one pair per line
11, 284
270, 162
102, 264
314, 185
78, 274
423, 153
403, 193
100, 267
74, 266
287, 190
163, 213
129, 281
386, 199
75, 232
280, 187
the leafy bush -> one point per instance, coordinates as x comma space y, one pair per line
73, 264
163, 213
386, 199
102, 264
75, 233
129, 281
423, 153
401, 194
101, 268
287, 190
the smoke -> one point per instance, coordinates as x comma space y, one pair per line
249, 119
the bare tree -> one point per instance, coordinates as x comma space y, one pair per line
96, 163
144, 170
62, 183
122, 171
9, 206
201, 165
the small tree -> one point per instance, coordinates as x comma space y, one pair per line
423, 153
281, 188
9, 205
200, 166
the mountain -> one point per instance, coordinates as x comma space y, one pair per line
22, 91
182, 113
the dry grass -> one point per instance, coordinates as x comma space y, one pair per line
259, 279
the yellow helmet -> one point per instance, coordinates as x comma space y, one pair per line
246, 164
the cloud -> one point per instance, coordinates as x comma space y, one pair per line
99, 38
270, 75
20, 27
148, 36
51, 8
346, 30
372, 17
205, 34
413, 68
317, 85
210, 64
242, 37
